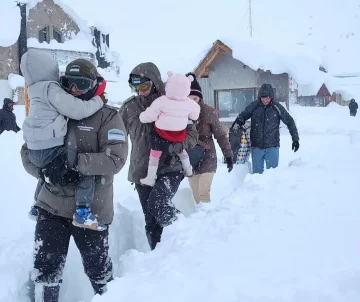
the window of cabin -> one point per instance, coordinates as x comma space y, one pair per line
48, 33
57, 35
231, 102
44, 35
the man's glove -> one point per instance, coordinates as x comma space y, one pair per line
239, 122
72, 176
175, 149
17, 129
295, 145
230, 163
57, 169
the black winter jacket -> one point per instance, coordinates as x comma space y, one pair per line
8, 121
265, 123
353, 106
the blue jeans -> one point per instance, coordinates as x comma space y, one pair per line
269, 155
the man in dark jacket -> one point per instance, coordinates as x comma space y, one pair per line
266, 115
353, 106
145, 80
7, 117
101, 146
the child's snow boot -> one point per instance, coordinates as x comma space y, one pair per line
33, 213
150, 179
84, 218
185, 162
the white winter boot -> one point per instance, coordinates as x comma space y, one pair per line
150, 179
185, 162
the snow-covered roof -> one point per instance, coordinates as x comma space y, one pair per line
15, 81
308, 90
348, 87
298, 61
81, 41
10, 17
81, 20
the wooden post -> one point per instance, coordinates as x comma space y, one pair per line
27, 100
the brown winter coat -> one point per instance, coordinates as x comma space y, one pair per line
208, 125
140, 133
101, 153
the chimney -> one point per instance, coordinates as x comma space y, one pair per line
22, 41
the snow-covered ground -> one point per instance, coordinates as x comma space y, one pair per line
287, 235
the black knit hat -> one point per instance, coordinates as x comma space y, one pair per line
82, 68
8, 101
266, 90
195, 86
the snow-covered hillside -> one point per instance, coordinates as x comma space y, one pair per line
289, 235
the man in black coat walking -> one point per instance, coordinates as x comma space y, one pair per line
266, 115
7, 117
353, 106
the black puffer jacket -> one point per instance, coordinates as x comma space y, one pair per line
265, 123
353, 106
7, 118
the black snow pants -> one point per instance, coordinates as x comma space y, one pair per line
156, 203
52, 237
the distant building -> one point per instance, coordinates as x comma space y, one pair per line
339, 88
230, 85
54, 27
321, 99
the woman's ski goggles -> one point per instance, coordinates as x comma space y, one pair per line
81, 84
141, 87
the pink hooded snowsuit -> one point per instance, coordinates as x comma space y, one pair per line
171, 111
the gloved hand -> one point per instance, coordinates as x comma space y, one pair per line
176, 148
57, 169
295, 145
230, 163
72, 176
238, 122
17, 129
101, 88
41, 174
190, 124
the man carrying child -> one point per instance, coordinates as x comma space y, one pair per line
100, 145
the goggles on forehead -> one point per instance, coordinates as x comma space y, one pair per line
80, 83
141, 86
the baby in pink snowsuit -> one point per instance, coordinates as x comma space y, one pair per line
170, 113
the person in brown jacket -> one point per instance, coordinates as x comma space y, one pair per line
100, 145
208, 125
159, 211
